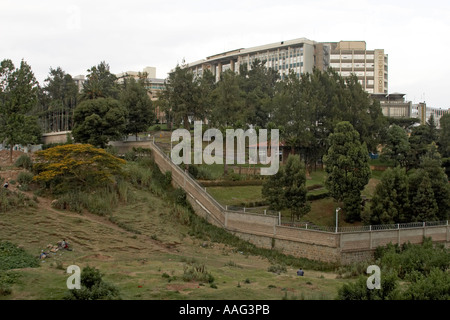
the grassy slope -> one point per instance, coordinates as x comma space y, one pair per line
136, 262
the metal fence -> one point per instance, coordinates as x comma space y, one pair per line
396, 226
254, 210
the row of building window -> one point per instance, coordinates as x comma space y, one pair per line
352, 65
352, 57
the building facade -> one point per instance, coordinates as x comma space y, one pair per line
302, 55
394, 105
370, 66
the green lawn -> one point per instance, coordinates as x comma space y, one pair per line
322, 210
235, 196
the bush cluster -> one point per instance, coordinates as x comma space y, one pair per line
423, 269
93, 287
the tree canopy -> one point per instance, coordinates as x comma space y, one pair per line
18, 95
134, 98
77, 166
98, 121
347, 168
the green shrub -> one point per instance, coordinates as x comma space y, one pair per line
14, 199
12, 257
434, 286
131, 156
317, 196
193, 170
112, 150
25, 178
5, 289
93, 287
24, 161
358, 290
204, 173
277, 268
408, 258
99, 202
179, 196
197, 272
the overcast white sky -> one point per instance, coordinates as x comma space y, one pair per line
130, 35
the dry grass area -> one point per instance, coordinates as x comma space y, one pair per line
147, 265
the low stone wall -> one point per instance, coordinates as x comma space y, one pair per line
55, 137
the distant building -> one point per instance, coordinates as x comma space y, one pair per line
79, 80
347, 57
302, 55
394, 105
424, 113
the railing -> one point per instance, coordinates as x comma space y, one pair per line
396, 226
252, 210
188, 177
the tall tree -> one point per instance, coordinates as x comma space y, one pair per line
420, 139
100, 83
347, 168
444, 136
206, 85
98, 121
134, 97
439, 183
421, 197
58, 105
390, 203
228, 101
287, 188
397, 146
258, 82
295, 187
18, 95
180, 94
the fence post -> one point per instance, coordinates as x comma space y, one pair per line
424, 230
448, 239
306, 226
226, 207
265, 211
370, 237
244, 209
279, 218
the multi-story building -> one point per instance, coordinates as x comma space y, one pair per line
79, 80
347, 57
394, 105
297, 55
302, 55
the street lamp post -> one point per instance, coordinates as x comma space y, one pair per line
337, 210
